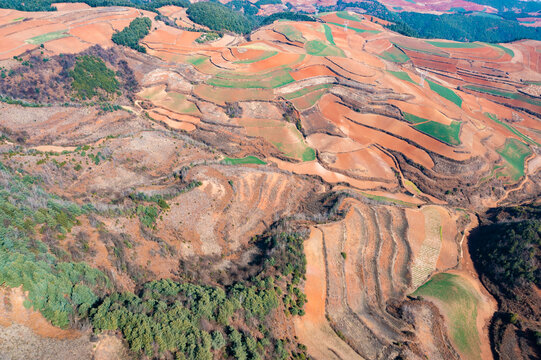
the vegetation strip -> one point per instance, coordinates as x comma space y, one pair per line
512, 129
245, 160
445, 92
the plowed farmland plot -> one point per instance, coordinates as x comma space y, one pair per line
284, 136
290, 32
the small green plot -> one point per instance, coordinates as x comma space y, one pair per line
18, 19
309, 154
402, 76
41, 39
449, 134
328, 34
264, 56
459, 301
395, 55
446, 93
319, 48
514, 153
245, 160
196, 60
454, 45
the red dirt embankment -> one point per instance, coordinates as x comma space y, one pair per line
12, 311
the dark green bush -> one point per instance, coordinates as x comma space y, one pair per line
130, 35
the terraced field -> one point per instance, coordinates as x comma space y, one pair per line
363, 140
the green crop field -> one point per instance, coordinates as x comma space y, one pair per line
422, 51
305, 91
235, 75
196, 60
307, 101
179, 103
414, 119
449, 134
454, 45
264, 56
319, 48
512, 129
309, 154
356, 29
505, 94
514, 153
328, 34
402, 76
269, 80
412, 185
446, 93
507, 50
269, 83
346, 16
388, 200
395, 55
41, 39
245, 160
460, 301
290, 32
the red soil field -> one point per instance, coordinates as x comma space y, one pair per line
336, 113
311, 71
70, 6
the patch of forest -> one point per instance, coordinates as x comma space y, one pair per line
463, 26
187, 319
131, 34
506, 250
93, 76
